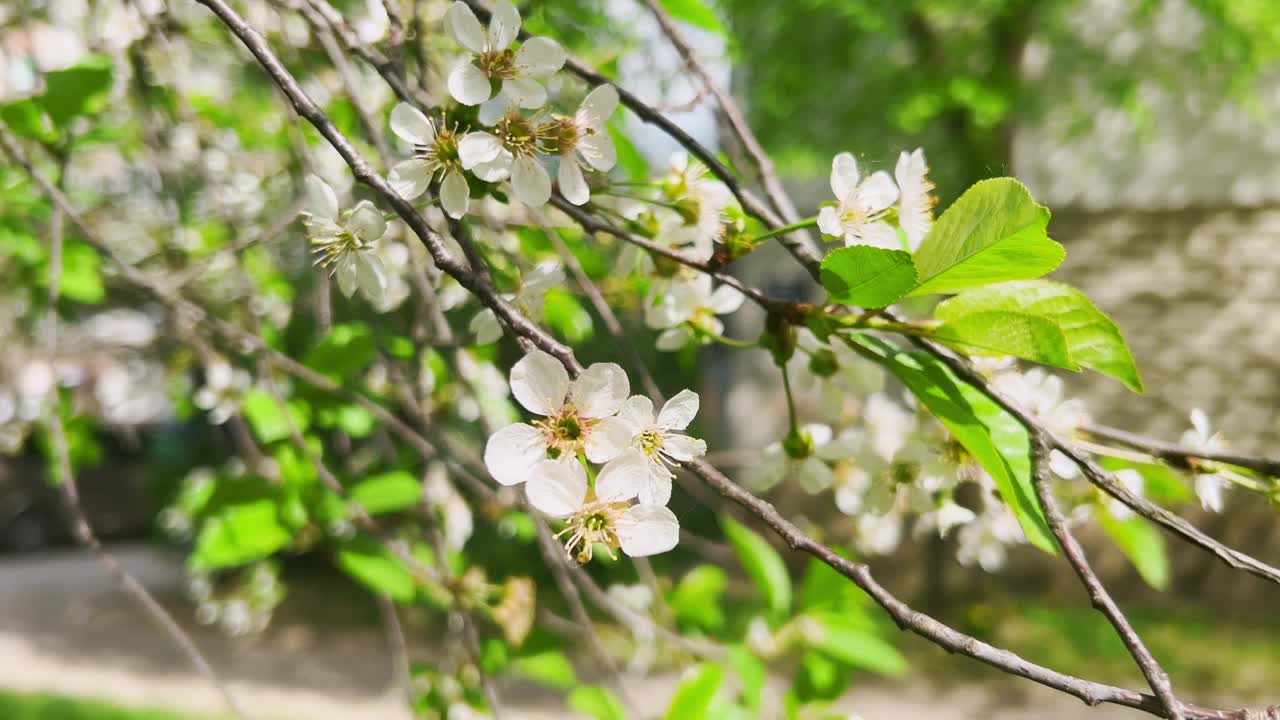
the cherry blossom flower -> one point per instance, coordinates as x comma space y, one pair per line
437, 152
861, 205
660, 441
577, 417
584, 140
985, 541
813, 471
688, 304
1043, 395
602, 513
345, 241
915, 206
471, 80
701, 205
1201, 438
223, 390
528, 300
510, 151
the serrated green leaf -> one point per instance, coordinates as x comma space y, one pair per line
694, 695
389, 492
238, 534
867, 276
694, 12
997, 333
1093, 340
78, 90
762, 563
1142, 544
994, 437
855, 644
596, 702
696, 598
994, 233
549, 667
373, 565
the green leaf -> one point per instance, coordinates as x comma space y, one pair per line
566, 316
751, 675
1161, 483
596, 702
694, 695
345, 351
267, 419
762, 563
78, 90
389, 492
1142, 544
997, 333
994, 233
25, 119
239, 534
374, 566
81, 279
694, 12
994, 437
549, 667
696, 599
1093, 340
855, 644
868, 276
820, 678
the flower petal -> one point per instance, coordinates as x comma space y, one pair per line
623, 477
345, 273
725, 300
366, 223
454, 194
539, 382
829, 222
322, 202
674, 339
598, 105
683, 448
637, 412
600, 390
679, 411
647, 530
485, 327
504, 25
495, 170
877, 192
468, 84
465, 27
878, 234
371, 276
410, 178
557, 487
512, 451
814, 475
608, 439
492, 110
525, 92
478, 147
530, 181
844, 176
657, 486
409, 124
598, 151
572, 184
540, 56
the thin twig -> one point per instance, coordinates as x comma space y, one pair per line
1181, 456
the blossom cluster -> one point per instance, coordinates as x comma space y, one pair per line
593, 419
864, 204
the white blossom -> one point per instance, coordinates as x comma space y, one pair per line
985, 541
861, 205
915, 205
660, 440
345, 241
223, 390
584, 140
813, 471
701, 206
437, 152
1201, 438
577, 417
1043, 395
528, 300
471, 80
515, 158
687, 304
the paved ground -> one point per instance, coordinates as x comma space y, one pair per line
64, 628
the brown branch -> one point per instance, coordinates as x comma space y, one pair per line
1155, 675
1180, 456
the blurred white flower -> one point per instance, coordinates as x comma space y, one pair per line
687, 304
345, 241
223, 390
861, 205
1043, 395
812, 471
528, 300
701, 206
985, 541
1210, 487
471, 80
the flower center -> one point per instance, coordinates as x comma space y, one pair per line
443, 153
498, 64
517, 134
331, 248
565, 432
561, 135
650, 441
594, 523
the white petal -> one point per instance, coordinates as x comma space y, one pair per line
877, 192
539, 382
485, 327
598, 151
465, 27
495, 170
814, 475
623, 477
504, 25
371, 276
683, 448
557, 487
366, 222
608, 439
674, 339
600, 390
540, 56
478, 147
679, 411
657, 486
879, 234
492, 110
410, 178
637, 412
725, 300
512, 451
1200, 421
530, 181
455, 194
829, 222
572, 184
598, 105
1209, 489
345, 273
525, 92
408, 123
648, 530
468, 84
844, 176
322, 202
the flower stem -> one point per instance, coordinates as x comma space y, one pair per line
800, 225
729, 341
791, 400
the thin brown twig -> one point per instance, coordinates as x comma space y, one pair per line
1179, 455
